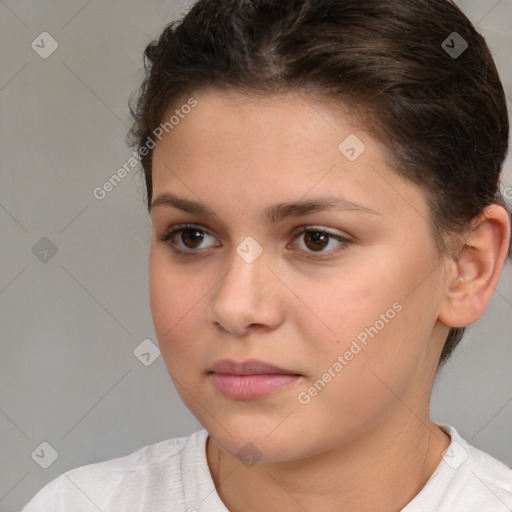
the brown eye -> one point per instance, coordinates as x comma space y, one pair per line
187, 239
192, 237
315, 240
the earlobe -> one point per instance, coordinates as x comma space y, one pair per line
475, 270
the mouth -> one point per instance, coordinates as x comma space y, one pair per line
249, 367
250, 380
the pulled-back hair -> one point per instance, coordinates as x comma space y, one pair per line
443, 116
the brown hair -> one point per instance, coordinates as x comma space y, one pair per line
442, 115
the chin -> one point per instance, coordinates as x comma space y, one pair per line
249, 444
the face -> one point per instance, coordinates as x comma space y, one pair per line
339, 291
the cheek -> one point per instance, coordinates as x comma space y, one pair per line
366, 313
161, 297
345, 303
394, 307
174, 303
173, 289
335, 314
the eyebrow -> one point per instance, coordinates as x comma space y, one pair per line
274, 213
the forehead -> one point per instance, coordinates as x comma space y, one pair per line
277, 148
232, 125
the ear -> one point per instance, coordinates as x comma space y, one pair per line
473, 272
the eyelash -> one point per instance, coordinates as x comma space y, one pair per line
168, 236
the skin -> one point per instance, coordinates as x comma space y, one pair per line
299, 307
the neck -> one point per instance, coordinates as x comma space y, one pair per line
384, 469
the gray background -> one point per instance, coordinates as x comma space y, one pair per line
70, 324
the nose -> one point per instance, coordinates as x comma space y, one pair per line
247, 298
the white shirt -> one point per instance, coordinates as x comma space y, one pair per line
173, 476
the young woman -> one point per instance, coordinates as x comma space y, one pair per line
323, 180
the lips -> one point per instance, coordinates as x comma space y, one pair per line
251, 380
249, 367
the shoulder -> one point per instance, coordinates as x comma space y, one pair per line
488, 475
466, 480
149, 476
